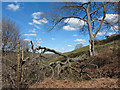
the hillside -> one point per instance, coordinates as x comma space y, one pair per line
84, 51
35, 76
107, 60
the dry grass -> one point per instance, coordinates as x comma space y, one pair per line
107, 59
94, 83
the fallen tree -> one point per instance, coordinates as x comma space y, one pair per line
33, 70
58, 65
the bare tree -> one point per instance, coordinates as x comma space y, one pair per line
10, 35
24, 44
93, 15
78, 46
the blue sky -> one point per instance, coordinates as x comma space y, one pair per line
27, 16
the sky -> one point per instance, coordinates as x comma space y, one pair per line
27, 16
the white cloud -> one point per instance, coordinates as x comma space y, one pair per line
34, 30
69, 28
30, 23
37, 26
111, 33
74, 24
111, 18
116, 28
80, 40
13, 7
16, 1
62, 49
55, 48
39, 42
36, 21
53, 38
69, 45
75, 21
74, 35
36, 15
101, 33
30, 34
38, 39
26, 39
43, 20
84, 1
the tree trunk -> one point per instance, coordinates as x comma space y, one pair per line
91, 47
3, 50
18, 66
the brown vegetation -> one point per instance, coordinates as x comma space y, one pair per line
94, 83
108, 63
35, 70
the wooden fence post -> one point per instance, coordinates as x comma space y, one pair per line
22, 65
18, 66
22, 53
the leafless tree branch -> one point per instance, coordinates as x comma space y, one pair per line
67, 17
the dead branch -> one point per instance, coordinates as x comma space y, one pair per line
56, 67
47, 49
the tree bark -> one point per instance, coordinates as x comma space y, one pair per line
91, 41
18, 66
91, 47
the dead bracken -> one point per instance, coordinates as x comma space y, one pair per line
94, 83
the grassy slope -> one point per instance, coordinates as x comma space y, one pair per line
107, 61
84, 51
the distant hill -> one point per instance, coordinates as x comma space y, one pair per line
84, 51
107, 58
108, 39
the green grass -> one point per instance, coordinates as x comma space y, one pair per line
82, 52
